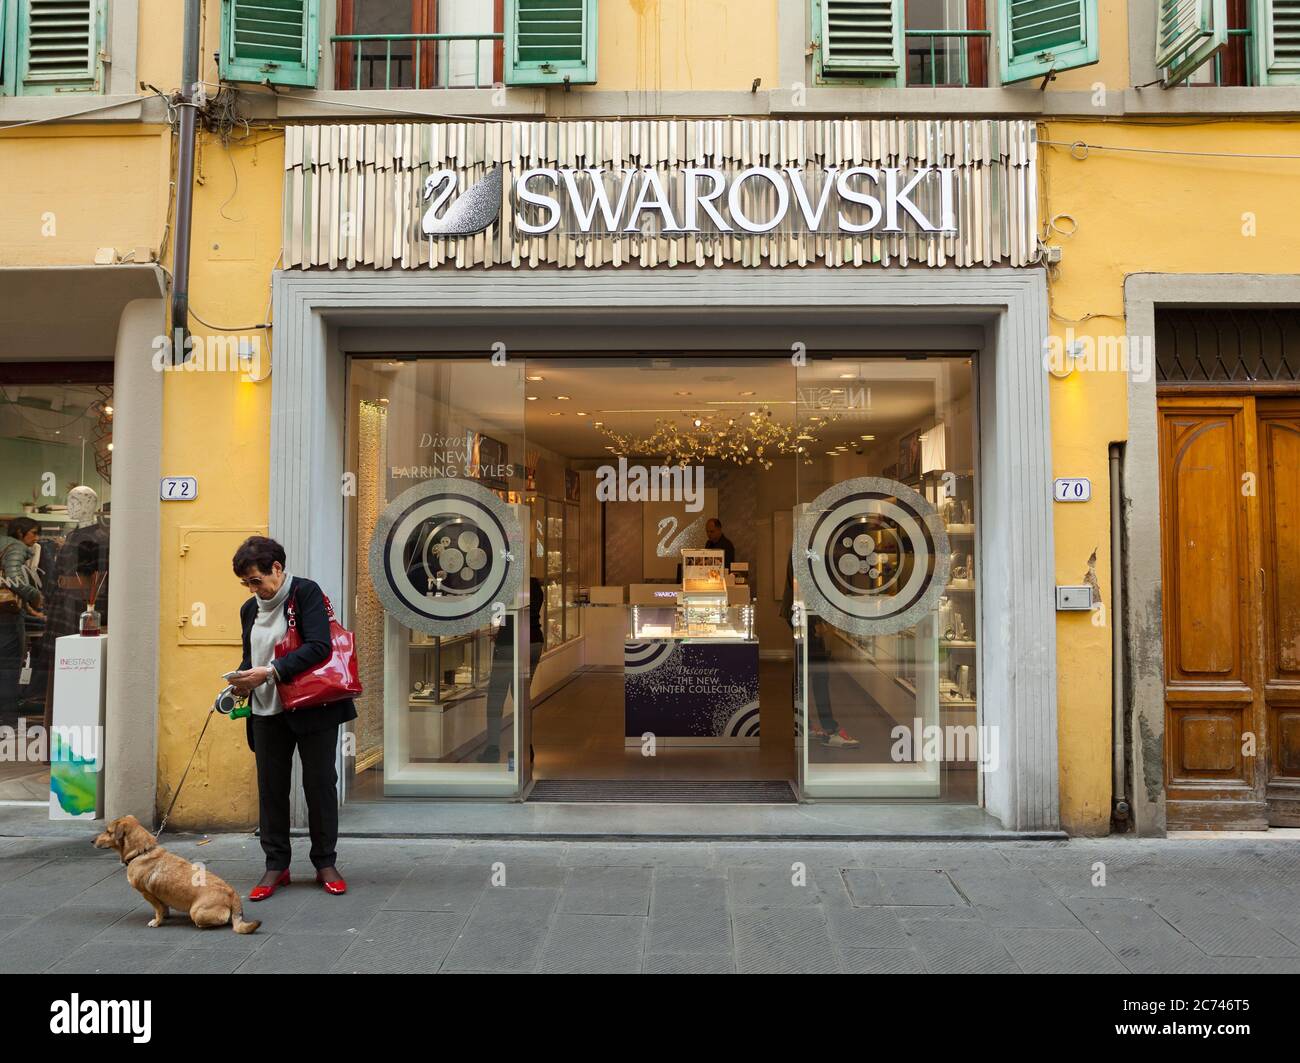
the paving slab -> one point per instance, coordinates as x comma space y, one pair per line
504, 932
594, 944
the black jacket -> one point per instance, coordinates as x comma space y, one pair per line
314, 626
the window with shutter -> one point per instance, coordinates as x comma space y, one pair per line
56, 46
271, 41
1188, 33
1279, 42
549, 42
860, 36
1040, 36
4, 36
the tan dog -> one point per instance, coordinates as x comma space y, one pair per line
166, 880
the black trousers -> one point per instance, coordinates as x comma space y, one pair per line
273, 745
12, 655
499, 681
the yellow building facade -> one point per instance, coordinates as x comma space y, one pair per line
1132, 177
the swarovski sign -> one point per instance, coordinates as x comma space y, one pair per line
755, 200
661, 193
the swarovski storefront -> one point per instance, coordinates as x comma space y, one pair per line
676, 452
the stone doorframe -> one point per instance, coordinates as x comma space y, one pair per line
1005, 308
1143, 604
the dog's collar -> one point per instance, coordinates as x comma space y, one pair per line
136, 855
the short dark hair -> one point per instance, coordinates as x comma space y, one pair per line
714, 521
259, 552
20, 526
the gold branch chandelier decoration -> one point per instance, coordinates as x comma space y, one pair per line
749, 439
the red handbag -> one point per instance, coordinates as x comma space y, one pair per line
334, 679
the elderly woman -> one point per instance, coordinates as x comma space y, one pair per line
273, 733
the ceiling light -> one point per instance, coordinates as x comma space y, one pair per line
746, 394
534, 377
847, 376
681, 394
532, 398
582, 413
563, 398
556, 413
867, 438
599, 424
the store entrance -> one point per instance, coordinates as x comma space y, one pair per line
666, 455
638, 577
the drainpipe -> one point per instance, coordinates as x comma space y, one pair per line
190, 89
1120, 808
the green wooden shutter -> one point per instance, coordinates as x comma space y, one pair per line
861, 36
271, 41
57, 47
1278, 32
1188, 33
5, 85
1039, 36
550, 41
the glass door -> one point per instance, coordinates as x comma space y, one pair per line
437, 560
885, 563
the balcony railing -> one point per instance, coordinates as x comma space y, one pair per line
415, 60
1232, 64
963, 66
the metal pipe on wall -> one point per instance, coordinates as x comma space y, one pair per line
1120, 808
190, 89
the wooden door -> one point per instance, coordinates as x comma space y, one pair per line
1230, 527
1213, 716
1278, 433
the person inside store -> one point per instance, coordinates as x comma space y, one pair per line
827, 729
718, 541
503, 650
18, 594
273, 733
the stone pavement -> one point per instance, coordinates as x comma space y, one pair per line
1202, 906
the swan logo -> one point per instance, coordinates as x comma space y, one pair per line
473, 212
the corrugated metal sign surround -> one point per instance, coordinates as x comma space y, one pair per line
355, 194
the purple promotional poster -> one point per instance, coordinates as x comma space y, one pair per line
691, 689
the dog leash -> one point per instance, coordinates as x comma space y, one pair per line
163, 825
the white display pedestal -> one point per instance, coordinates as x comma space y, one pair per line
76, 740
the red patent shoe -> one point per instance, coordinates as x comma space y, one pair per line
260, 893
337, 887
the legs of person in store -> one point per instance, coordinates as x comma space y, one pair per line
11, 663
827, 729
498, 687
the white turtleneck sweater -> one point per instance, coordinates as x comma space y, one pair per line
269, 627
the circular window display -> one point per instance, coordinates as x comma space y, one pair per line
443, 554
871, 556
